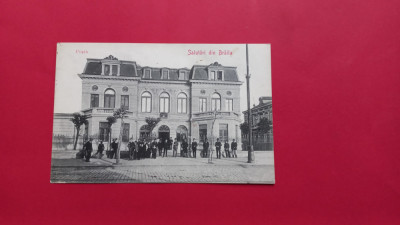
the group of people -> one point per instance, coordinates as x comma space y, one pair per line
142, 149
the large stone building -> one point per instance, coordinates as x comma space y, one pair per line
261, 141
185, 99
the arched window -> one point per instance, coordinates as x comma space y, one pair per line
164, 102
146, 102
109, 98
215, 102
182, 103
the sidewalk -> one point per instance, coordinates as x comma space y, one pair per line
66, 158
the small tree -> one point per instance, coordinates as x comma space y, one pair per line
152, 123
110, 121
244, 127
264, 125
120, 113
78, 120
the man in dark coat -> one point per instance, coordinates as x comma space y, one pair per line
114, 147
184, 147
100, 149
226, 147
234, 148
206, 145
153, 147
88, 149
194, 147
141, 148
160, 147
218, 148
131, 147
166, 147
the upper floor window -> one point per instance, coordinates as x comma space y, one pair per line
212, 75
215, 102
125, 102
219, 75
109, 98
165, 75
146, 102
164, 102
203, 105
107, 69
229, 105
182, 103
181, 75
94, 100
147, 73
114, 70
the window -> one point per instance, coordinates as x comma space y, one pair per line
125, 132
229, 105
165, 74
146, 102
223, 132
109, 98
216, 102
212, 77
203, 132
181, 75
94, 100
114, 70
104, 131
203, 105
164, 102
182, 103
219, 75
106, 69
125, 102
147, 73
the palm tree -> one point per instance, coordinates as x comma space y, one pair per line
120, 113
78, 120
110, 121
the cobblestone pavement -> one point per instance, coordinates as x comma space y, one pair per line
66, 169
164, 174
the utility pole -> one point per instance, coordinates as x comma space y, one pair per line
250, 150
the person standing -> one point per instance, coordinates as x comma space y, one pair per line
218, 148
100, 149
114, 147
234, 148
194, 147
160, 147
136, 151
166, 146
88, 149
153, 147
184, 146
206, 145
131, 147
141, 148
226, 147
175, 148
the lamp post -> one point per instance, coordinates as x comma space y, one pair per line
250, 150
212, 138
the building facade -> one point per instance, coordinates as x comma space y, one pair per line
261, 141
201, 102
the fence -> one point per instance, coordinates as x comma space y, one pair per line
260, 142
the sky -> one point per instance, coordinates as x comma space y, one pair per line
71, 61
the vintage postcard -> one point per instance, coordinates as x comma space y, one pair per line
163, 113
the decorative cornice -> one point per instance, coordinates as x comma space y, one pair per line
103, 77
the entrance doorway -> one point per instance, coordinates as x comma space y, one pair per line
182, 133
163, 133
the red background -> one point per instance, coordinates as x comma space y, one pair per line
336, 90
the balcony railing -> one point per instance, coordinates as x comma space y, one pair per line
212, 114
101, 111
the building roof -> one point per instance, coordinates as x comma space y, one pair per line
131, 69
264, 101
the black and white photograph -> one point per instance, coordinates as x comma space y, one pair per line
163, 113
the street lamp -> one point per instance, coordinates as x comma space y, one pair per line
212, 137
250, 150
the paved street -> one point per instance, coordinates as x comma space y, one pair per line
67, 169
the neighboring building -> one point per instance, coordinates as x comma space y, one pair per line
185, 100
261, 141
